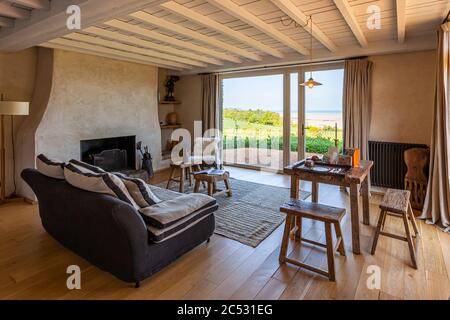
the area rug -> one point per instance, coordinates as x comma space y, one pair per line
250, 216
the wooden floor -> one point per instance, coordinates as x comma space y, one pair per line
33, 265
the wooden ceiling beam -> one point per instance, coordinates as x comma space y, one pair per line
347, 12
219, 27
301, 19
176, 28
170, 40
7, 10
401, 20
34, 4
53, 45
233, 9
6, 22
128, 48
119, 53
150, 45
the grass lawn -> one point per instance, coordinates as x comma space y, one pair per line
238, 134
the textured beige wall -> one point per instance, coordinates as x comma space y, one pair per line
94, 97
189, 91
403, 90
17, 78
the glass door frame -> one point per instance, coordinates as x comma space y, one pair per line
302, 100
286, 72
249, 74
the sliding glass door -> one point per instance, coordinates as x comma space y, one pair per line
323, 120
252, 121
270, 121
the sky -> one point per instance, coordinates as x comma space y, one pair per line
266, 92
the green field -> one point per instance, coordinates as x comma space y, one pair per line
260, 129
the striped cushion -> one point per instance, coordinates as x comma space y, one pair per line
168, 213
50, 168
105, 183
85, 167
139, 191
158, 235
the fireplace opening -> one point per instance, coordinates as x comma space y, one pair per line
110, 154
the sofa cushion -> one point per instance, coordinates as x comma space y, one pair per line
50, 168
170, 218
139, 191
105, 183
167, 213
85, 167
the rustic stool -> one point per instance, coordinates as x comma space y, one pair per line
186, 172
318, 212
212, 180
396, 203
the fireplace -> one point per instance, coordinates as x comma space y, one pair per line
110, 154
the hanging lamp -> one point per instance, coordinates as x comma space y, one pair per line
311, 83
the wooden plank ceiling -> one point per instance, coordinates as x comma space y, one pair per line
213, 35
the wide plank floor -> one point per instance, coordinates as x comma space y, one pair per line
33, 265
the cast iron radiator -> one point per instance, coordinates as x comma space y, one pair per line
389, 168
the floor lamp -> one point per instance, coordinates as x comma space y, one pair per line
8, 108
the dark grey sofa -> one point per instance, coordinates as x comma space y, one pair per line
107, 232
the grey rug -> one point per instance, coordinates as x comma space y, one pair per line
250, 216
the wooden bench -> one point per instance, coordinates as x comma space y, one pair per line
317, 212
396, 203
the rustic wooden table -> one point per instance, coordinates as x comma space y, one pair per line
355, 177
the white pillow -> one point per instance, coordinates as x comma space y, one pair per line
139, 190
85, 167
50, 168
105, 183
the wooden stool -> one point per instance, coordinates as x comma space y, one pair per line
396, 203
186, 172
318, 212
212, 180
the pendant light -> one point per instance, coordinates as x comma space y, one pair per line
311, 83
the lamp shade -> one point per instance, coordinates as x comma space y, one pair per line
13, 108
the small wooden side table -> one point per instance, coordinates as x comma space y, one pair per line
212, 180
186, 172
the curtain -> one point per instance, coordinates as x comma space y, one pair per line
357, 108
437, 203
210, 114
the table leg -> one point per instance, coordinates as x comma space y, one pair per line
315, 192
295, 186
354, 204
182, 179
366, 206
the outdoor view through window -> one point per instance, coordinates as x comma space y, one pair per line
253, 118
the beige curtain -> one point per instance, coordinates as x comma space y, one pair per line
357, 108
437, 203
210, 114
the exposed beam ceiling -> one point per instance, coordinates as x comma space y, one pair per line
244, 15
401, 20
147, 44
347, 12
219, 27
133, 49
161, 23
170, 40
119, 53
289, 8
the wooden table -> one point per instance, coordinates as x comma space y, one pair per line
355, 177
